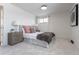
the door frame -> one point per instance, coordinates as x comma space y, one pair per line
1, 23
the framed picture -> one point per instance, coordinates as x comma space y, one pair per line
74, 16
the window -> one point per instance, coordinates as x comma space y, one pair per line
45, 19
42, 20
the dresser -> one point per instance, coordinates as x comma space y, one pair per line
15, 37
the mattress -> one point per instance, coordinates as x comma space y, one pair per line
32, 38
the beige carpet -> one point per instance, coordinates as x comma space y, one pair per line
60, 47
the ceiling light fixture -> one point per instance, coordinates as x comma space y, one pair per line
43, 7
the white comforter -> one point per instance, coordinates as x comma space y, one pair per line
31, 35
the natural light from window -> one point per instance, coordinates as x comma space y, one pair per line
43, 20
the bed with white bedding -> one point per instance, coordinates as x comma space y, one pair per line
32, 35
36, 38
32, 38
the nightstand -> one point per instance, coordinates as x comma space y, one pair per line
15, 37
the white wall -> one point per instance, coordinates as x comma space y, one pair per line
75, 33
12, 13
58, 23
0, 23
43, 27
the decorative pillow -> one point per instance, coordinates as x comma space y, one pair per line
33, 30
27, 29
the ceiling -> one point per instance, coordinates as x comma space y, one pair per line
34, 8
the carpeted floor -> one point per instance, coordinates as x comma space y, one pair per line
60, 47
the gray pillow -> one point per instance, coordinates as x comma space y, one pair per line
34, 29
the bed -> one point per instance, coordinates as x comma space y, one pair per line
31, 35
37, 38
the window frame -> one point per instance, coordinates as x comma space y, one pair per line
43, 20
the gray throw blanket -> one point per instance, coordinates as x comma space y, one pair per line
46, 36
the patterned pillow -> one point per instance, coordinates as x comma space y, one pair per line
33, 29
27, 29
